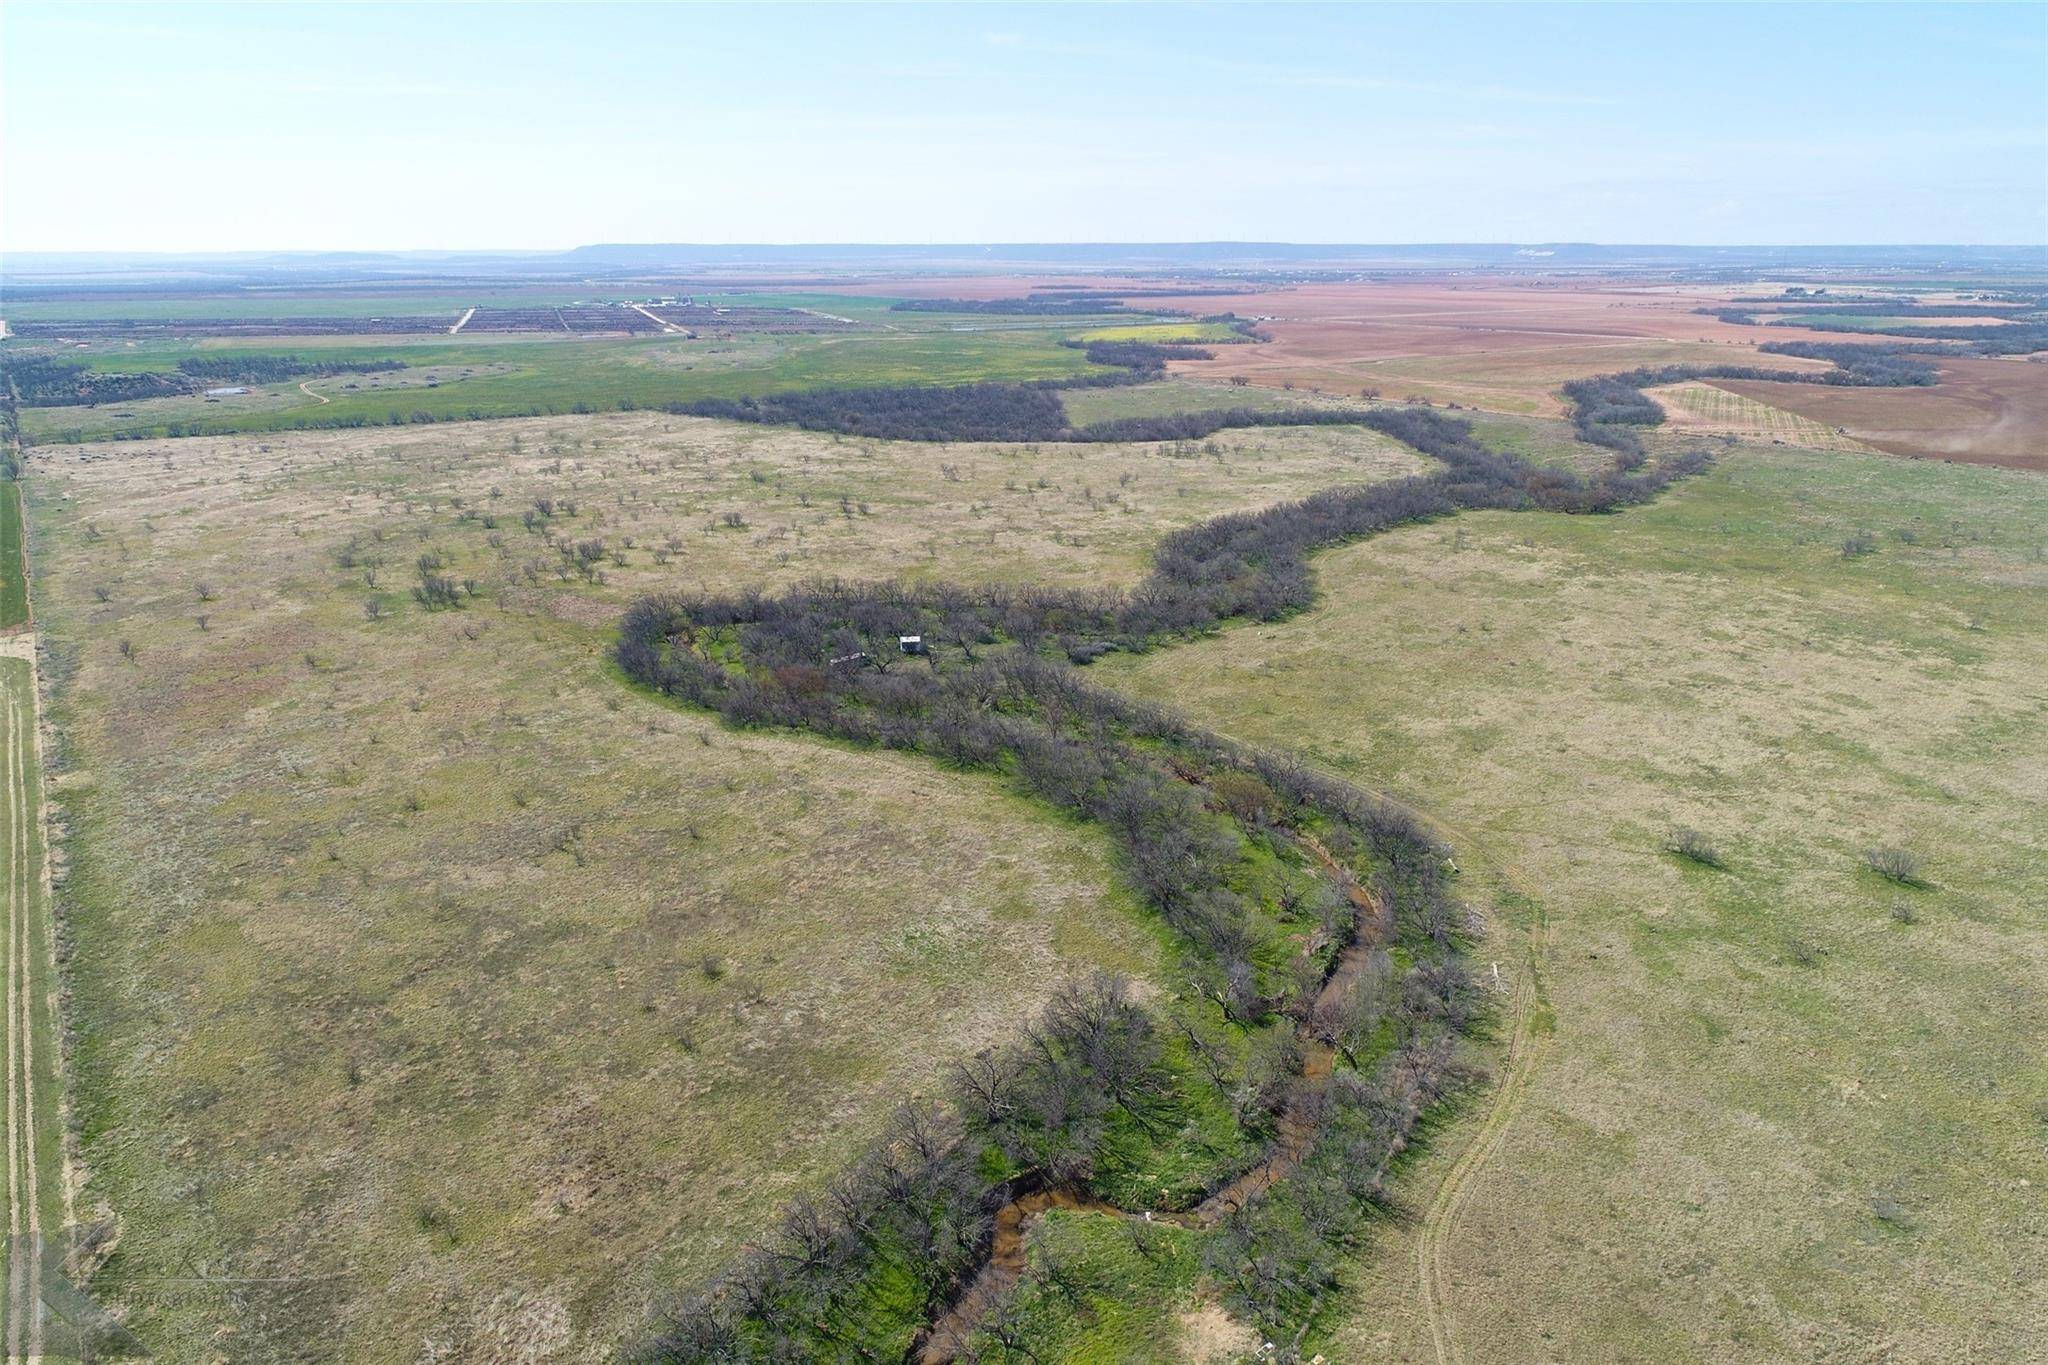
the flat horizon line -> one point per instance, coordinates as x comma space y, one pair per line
1016, 244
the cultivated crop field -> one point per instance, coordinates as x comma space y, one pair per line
1983, 411
1166, 333
1500, 345
1708, 408
437, 993
1782, 1108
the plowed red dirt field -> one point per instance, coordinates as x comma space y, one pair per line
1507, 346
1982, 412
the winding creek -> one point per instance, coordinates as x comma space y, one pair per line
1007, 1255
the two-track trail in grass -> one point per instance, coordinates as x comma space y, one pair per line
36, 1187
1518, 1062
38, 1192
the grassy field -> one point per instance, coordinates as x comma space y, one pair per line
1524, 381
453, 997
500, 375
1786, 1109
1127, 1296
530, 377
1164, 399
1533, 438
13, 560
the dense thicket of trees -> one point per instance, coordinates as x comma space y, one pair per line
2015, 338
904, 412
46, 382
2022, 327
995, 690
269, 369
1143, 356
42, 381
1877, 366
1869, 305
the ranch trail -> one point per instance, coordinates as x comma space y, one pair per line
316, 397
16, 1268
460, 323
34, 1077
1524, 1051
655, 318
24, 1216
1526, 1045
1525, 1048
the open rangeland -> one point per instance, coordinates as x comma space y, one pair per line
436, 997
1762, 1102
366, 881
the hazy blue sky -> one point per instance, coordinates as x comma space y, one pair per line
214, 128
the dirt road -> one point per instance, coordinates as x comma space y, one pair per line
29, 1067
38, 1184
663, 322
